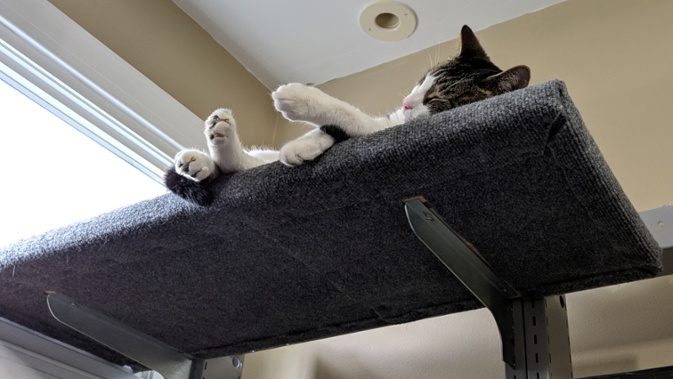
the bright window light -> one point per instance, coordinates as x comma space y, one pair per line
54, 175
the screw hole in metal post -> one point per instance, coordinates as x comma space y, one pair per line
428, 216
236, 362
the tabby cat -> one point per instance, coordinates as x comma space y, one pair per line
469, 77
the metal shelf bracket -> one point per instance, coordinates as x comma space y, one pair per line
138, 346
533, 332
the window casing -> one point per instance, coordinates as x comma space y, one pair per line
58, 64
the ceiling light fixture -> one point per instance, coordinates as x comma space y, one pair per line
388, 20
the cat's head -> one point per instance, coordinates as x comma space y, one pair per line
464, 79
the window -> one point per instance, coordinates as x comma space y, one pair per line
101, 136
55, 175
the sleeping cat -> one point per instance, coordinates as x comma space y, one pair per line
469, 77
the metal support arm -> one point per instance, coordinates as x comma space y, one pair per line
531, 330
138, 346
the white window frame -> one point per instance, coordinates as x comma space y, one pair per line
61, 66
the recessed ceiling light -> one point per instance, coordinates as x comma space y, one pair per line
388, 20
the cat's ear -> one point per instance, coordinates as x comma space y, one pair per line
469, 44
515, 78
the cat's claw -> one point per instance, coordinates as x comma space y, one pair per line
220, 126
194, 165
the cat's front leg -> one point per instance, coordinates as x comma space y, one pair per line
305, 148
299, 102
195, 165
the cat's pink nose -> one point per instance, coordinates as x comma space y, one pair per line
406, 104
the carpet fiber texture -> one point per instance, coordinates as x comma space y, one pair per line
293, 254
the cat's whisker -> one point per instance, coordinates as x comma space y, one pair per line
436, 49
432, 64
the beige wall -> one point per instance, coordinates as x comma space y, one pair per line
616, 57
162, 42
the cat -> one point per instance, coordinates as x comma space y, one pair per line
464, 79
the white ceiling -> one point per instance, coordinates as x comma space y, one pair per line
314, 41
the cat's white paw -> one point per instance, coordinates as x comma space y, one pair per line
298, 102
194, 165
306, 148
220, 126
297, 152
